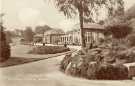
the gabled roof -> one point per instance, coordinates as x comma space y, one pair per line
38, 35
93, 26
87, 26
54, 31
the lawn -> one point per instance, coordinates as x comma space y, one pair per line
20, 55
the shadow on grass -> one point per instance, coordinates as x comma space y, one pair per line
13, 61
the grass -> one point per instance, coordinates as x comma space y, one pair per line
20, 55
17, 61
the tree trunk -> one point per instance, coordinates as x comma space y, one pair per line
81, 27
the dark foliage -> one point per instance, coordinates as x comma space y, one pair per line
8, 36
28, 34
42, 29
127, 54
4, 46
110, 72
118, 31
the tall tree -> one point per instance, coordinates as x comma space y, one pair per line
87, 8
4, 46
119, 31
42, 29
8, 36
28, 34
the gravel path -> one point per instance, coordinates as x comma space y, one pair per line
46, 73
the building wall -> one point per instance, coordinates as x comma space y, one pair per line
67, 38
52, 38
73, 38
47, 39
93, 37
55, 39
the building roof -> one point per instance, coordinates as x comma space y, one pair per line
38, 35
93, 26
56, 31
87, 26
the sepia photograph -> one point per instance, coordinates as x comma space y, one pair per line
67, 42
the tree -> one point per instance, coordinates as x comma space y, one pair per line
28, 34
119, 31
4, 46
87, 8
42, 29
9, 36
17, 33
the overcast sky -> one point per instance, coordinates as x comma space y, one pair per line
21, 13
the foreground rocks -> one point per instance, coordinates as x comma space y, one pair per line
96, 63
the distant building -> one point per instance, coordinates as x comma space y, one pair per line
53, 36
72, 38
38, 38
93, 32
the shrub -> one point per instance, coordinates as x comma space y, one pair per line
112, 72
131, 40
76, 65
119, 31
91, 72
128, 55
4, 46
49, 50
28, 34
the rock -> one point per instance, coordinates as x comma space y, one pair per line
66, 61
77, 66
92, 68
72, 70
122, 72
111, 72
95, 63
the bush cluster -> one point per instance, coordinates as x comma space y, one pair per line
131, 40
111, 72
49, 50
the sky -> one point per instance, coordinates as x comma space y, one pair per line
21, 13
